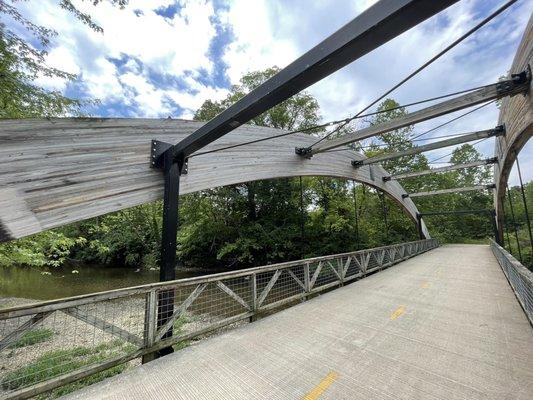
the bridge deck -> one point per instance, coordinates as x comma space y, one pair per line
443, 325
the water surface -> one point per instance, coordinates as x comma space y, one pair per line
31, 283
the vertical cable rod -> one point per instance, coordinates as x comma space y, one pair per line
513, 221
528, 222
355, 215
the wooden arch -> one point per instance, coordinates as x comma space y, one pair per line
58, 171
517, 115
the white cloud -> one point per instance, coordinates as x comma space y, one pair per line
257, 45
176, 46
276, 32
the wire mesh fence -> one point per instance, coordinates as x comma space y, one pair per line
58, 346
519, 277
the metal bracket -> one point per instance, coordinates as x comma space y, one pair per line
405, 195
492, 160
386, 178
498, 131
516, 80
157, 149
306, 152
357, 163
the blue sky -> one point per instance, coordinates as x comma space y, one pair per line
163, 58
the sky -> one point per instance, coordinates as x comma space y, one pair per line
162, 58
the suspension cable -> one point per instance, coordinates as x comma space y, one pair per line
343, 122
427, 63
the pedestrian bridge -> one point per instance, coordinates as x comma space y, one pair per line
410, 320
406, 321
442, 325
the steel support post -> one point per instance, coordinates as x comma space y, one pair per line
172, 167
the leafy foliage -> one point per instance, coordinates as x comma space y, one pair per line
23, 54
47, 249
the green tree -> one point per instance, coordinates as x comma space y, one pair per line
261, 219
23, 54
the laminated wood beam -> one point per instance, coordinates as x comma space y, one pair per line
448, 168
61, 170
468, 137
511, 87
453, 190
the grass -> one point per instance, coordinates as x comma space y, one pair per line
33, 337
178, 330
60, 362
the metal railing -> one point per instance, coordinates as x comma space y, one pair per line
51, 346
519, 277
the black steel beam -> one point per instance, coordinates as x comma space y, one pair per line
377, 25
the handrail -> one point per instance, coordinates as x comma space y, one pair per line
49, 344
132, 290
519, 277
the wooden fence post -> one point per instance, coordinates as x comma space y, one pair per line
150, 324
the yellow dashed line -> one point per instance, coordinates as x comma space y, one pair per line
399, 311
322, 386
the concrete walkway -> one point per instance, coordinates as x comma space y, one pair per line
443, 325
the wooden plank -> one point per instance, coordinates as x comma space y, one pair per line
485, 94
346, 266
22, 329
315, 275
103, 325
468, 137
233, 295
332, 267
379, 256
298, 281
178, 312
89, 167
442, 169
253, 283
452, 190
268, 287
